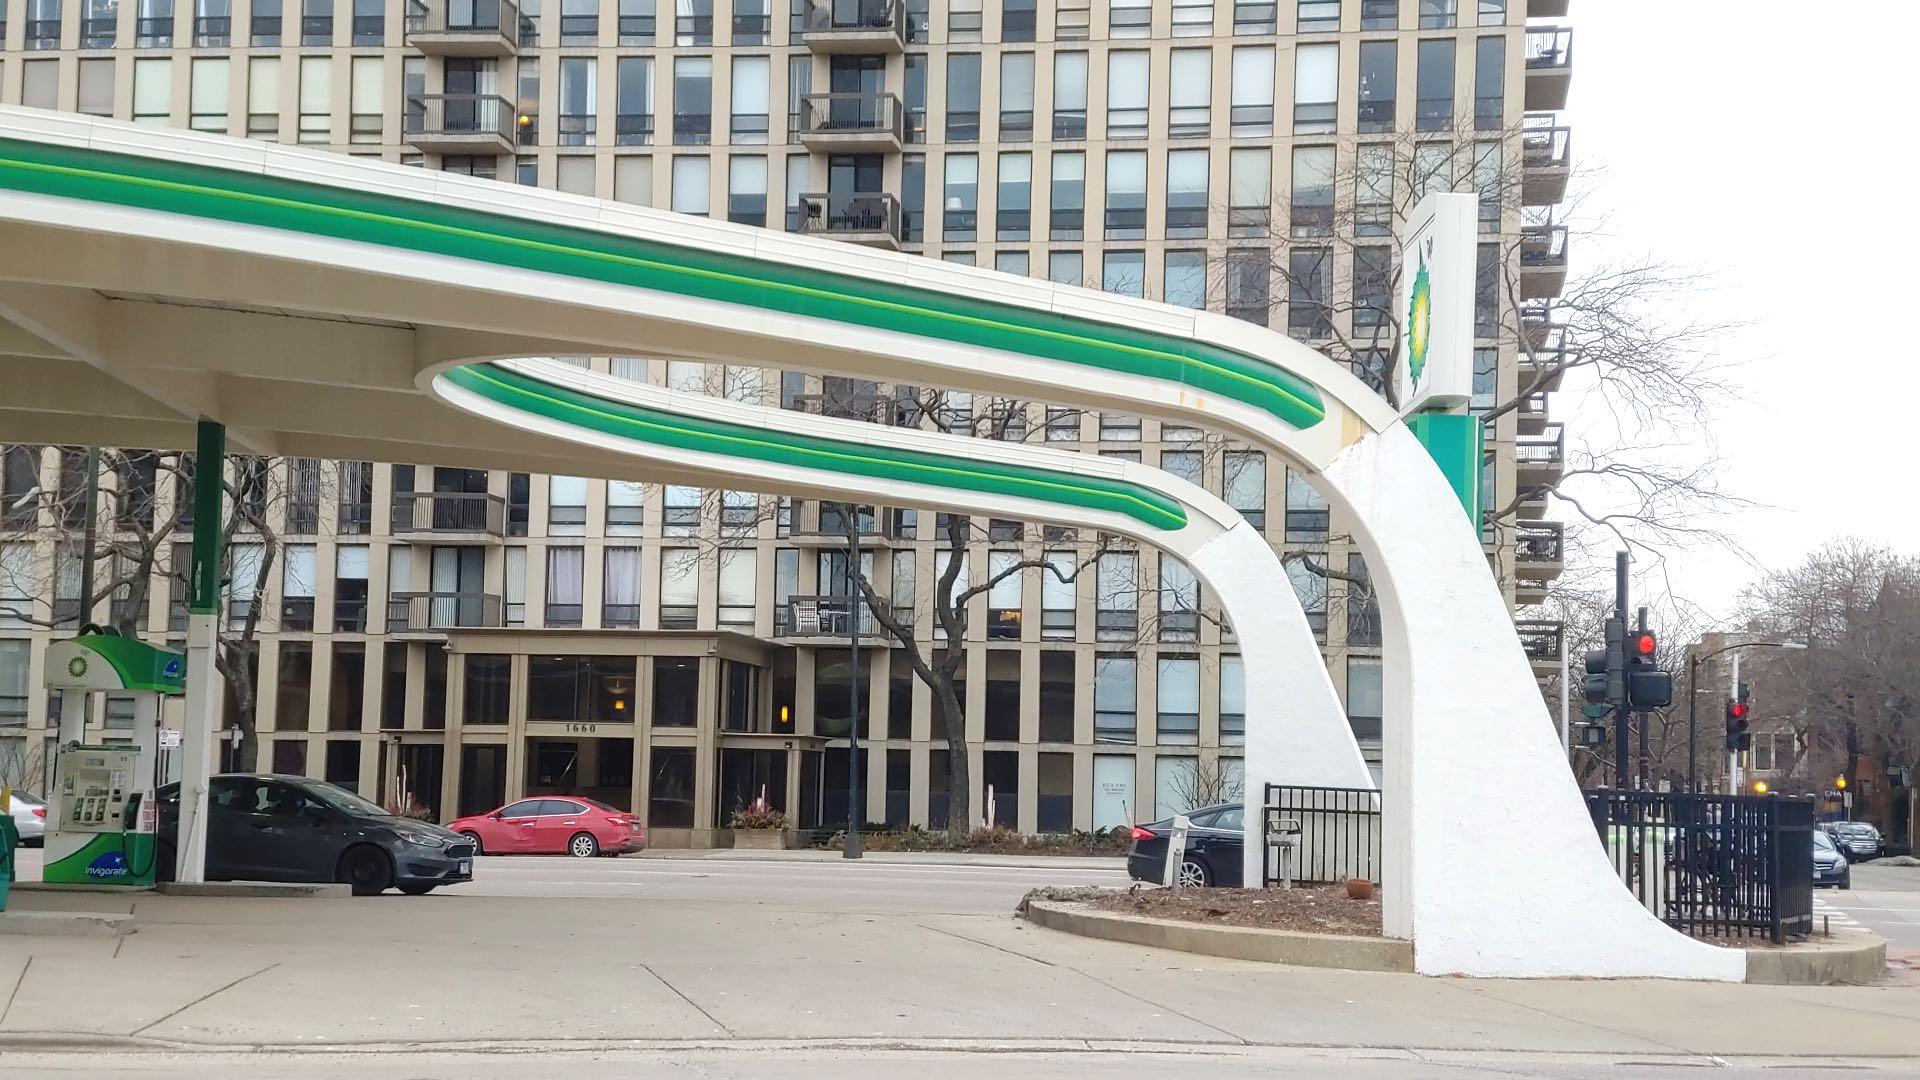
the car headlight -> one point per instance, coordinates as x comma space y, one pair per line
420, 839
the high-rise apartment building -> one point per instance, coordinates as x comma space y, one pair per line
463, 638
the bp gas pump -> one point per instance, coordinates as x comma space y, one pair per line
102, 816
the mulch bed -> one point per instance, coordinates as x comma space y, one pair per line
1312, 910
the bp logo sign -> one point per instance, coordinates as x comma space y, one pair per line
1420, 315
77, 667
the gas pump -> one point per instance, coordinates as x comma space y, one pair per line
102, 816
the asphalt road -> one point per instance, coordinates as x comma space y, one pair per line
1884, 899
876, 885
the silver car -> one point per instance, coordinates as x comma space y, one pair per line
29, 818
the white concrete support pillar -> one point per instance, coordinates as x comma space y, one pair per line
204, 695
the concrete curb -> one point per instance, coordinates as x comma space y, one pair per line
283, 890
64, 924
1233, 942
77, 886
1849, 957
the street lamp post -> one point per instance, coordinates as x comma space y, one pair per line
1693, 700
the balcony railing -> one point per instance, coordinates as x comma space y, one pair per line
460, 115
839, 214
1546, 450
1542, 639
874, 114
416, 611
1549, 48
1545, 144
1538, 542
825, 616
449, 512
496, 22
827, 19
1543, 247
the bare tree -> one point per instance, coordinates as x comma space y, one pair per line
1207, 781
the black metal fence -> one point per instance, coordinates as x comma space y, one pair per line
1337, 835
1713, 865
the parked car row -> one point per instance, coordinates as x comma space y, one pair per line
1830, 866
266, 827
1856, 839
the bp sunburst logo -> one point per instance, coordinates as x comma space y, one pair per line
1419, 319
77, 667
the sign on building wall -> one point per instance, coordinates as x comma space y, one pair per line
1435, 365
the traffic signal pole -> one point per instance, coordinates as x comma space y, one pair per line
1620, 723
1733, 754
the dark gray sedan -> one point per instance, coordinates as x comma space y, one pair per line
1214, 847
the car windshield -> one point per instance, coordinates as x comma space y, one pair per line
1856, 828
345, 801
1822, 841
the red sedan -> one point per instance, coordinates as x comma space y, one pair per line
553, 825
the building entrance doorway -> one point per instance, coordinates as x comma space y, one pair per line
599, 769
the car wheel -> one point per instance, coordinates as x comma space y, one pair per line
417, 888
583, 846
367, 869
1846, 880
1194, 874
474, 839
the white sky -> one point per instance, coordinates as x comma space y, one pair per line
1760, 141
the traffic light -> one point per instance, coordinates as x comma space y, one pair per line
1739, 719
1606, 670
1648, 687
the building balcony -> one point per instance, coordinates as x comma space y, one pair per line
1541, 459
432, 614
1544, 356
868, 27
449, 515
1539, 550
1549, 67
1543, 261
1530, 416
1548, 9
865, 218
1536, 324
851, 122
1533, 503
1546, 160
1544, 642
464, 27
825, 620
462, 124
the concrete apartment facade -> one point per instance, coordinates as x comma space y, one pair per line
460, 638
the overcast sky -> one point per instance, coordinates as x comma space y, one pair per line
1760, 140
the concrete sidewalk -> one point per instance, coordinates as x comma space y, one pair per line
928, 858
508, 974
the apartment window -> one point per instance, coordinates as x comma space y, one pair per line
1115, 699
1319, 17
1013, 201
567, 506
17, 585
679, 588
1243, 483
1432, 169
1016, 97
1316, 88
263, 98
1070, 95
1126, 216
914, 99
1193, 18
747, 190
527, 83
620, 604
1373, 190
1117, 595
693, 22
1067, 268
752, 22
692, 100
316, 22
1486, 378
1124, 273
350, 565
1433, 85
1309, 274
752, 98
1186, 193
1179, 596
1251, 115
680, 510
1307, 514
264, 26
1012, 262
1310, 588
296, 587
1233, 701
913, 198
1178, 692
40, 84
153, 90
1017, 20
369, 22
1067, 215
961, 198
1312, 209
43, 24
1248, 273
1003, 596
1057, 595
244, 563
690, 185
98, 21
1489, 83
919, 26
963, 97
96, 86
1379, 14
1364, 697
1129, 18
316, 99
1185, 285
1438, 14
367, 81
1486, 291
963, 20
1249, 190
1127, 94
1190, 111
1379, 61
1372, 290
637, 18
566, 569
1489, 181
1493, 12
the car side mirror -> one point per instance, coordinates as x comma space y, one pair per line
497, 815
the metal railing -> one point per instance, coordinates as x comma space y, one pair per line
481, 18
825, 616
1338, 835
1545, 144
827, 16
442, 610
449, 511
1738, 866
850, 114
835, 213
460, 114
1549, 48
1548, 449
1542, 639
1539, 542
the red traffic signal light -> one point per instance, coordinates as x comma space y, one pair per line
1644, 644
1736, 710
